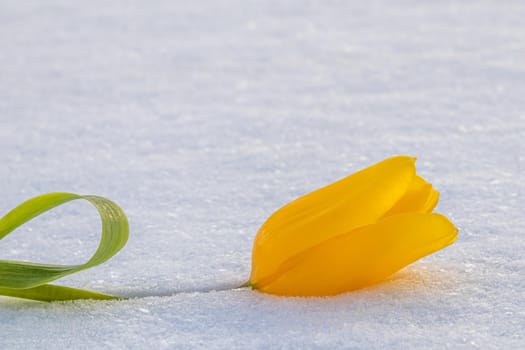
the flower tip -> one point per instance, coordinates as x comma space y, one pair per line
453, 231
412, 159
405, 157
455, 234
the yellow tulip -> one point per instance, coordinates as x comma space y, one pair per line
350, 234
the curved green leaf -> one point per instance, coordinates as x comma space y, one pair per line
29, 280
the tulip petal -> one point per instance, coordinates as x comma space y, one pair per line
420, 197
357, 200
360, 258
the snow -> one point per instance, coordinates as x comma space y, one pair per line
201, 118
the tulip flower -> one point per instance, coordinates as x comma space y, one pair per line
350, 234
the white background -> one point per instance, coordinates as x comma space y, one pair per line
201, 118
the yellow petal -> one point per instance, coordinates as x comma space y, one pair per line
360, 258
355, 201
419, 198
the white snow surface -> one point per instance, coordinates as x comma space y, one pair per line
201, 118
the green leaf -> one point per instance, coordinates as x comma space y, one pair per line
29, 280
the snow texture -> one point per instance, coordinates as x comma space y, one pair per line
200, 118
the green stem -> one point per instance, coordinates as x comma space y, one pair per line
247, 284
